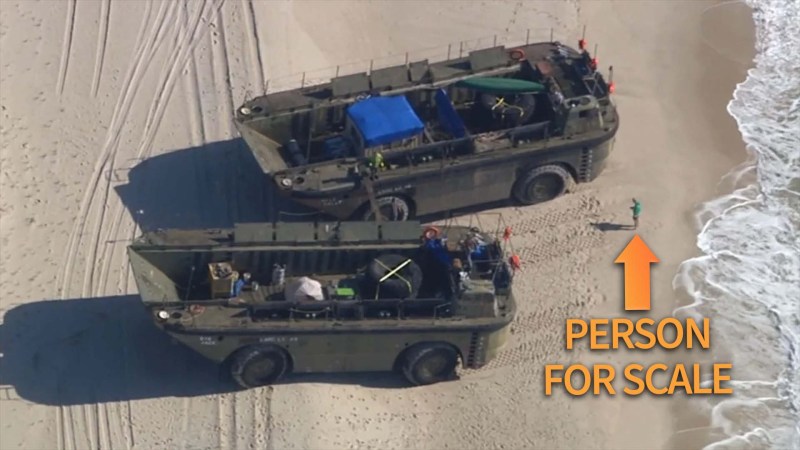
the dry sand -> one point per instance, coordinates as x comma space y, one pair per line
119, 113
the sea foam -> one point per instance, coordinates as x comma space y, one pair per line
748, 277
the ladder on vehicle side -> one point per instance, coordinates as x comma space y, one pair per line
475, 355
592, 84
373, 202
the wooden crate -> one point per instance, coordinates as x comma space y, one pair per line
221, 287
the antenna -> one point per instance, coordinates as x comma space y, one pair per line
582, 42
611, 86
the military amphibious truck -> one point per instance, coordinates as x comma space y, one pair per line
268, 299
523, 123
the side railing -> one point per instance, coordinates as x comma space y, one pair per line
435, 54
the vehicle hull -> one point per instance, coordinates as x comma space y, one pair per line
362, 350
461, 184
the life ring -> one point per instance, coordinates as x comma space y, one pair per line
431, 233
517, 54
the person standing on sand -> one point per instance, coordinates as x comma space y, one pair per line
637, 209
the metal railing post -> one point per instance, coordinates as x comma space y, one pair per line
528, 36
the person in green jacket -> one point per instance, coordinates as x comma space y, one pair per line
637, 210
376, 164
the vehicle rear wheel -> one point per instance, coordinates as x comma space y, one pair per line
429, 364
391, 208
541, 184
259, 366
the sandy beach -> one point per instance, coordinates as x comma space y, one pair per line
118, 114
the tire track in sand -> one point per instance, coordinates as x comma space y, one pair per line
66, 418
102, 38
222, 65
118, 116
179, 56
249, 18
92, 260
66, 45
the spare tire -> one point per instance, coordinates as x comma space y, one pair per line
403, 284
515, 108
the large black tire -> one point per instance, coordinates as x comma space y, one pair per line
542, 184
259, 365
394, 287
430, 363
392, 208
517, 110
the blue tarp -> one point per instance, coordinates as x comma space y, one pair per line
383, 120
448, 116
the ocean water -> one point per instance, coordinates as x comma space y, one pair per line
748, 278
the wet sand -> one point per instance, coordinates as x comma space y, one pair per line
117, 115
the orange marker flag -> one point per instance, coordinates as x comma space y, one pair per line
637, 258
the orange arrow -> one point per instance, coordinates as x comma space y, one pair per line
637, 258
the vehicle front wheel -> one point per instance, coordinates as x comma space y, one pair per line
430, 364
542, 184
259, 366
391, 208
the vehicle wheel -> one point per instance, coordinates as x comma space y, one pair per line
542, 184
258, 366
392, 209
430, 364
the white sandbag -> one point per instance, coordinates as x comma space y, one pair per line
303, 288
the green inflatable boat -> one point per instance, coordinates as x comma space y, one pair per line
497, 85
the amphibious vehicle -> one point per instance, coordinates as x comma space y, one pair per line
267, 299
420, 138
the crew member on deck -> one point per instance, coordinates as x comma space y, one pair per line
376, 163
240, 284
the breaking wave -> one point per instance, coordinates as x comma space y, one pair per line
748, 278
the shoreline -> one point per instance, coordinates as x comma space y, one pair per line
725, 28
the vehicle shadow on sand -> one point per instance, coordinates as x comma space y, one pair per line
84, 351
209, 186
216, 185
